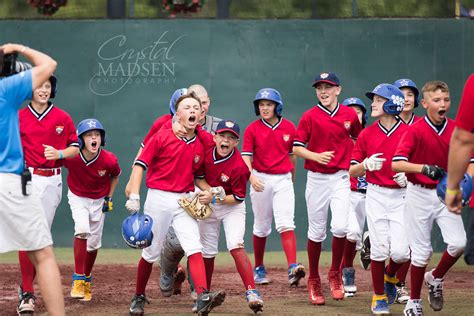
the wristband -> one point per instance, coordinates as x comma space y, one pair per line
213, 200
452, 192
61, 154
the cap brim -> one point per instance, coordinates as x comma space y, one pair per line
222, 130
326, 81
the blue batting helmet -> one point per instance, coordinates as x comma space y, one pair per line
54, 86
395, 98
89, 125
408, 83
269, 94
136, 230
357, 102
465, 185
176, 95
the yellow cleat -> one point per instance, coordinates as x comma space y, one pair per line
87, 289
78, 286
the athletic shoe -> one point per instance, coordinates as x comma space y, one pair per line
255, 300
194, 309
380, 305
166, 285
295, 273
208, 300
402, 293
348, 281
78, 284
390, 288
335, 284
87, 289
316, 296
260, 275
364, 254
137, 307
435, 291
26, 302
413, 308
179, 278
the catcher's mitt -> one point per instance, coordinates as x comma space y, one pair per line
196, 209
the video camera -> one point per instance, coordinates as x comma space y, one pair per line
10, 66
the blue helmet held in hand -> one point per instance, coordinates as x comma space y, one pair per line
136, 231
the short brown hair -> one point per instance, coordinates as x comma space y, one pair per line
191, 95
432, 86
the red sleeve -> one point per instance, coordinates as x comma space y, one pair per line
198, 166
359, 152
239, 183
72, 135
157, 125
407, 144
465, 116
356, 127
303, 132
248, 143
115, 170
149, 152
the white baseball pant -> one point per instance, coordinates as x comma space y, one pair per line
356, 221
50, 191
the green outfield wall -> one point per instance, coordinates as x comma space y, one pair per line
124, 72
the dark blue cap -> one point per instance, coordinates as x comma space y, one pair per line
228, 126
328, 77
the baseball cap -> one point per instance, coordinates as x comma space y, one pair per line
328, 77
228, 126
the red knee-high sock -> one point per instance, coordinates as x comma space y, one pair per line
259, 249
243, 265
80, 250
314, 251
403, 271
349, 254
198, 272
143, 274
209, 265
28, 272
392, 267
337, 252
89, 262
377, 268
288, 241
446, 262
417, 276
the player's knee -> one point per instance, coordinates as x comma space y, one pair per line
233, 246
262, 233
354, 236
456, 248
316, 236
400, 255
421, 260
339, 232
82, 236
285, 228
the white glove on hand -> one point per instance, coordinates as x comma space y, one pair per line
401, 179
133, 203
218, 192
373, 163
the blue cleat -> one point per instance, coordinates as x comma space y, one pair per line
380, 305
390, 288
255, 300
295, 273
260, 275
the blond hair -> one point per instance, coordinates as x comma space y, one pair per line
432, 86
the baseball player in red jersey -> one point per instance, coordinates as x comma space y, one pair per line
322, 139
356, 220
422, 154
92, 179
268, 152
48, 136
224, 167
385, 200
165, 156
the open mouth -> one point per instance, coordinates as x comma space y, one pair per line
94, 144
224, 147
192, 119
441, 112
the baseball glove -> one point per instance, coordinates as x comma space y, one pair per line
196, 209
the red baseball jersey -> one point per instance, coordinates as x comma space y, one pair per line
321, 130
171, 162
91, 178
229, 172
54, 127
377, 139
270, 146
424, 143
412, 120
465, 117
157, 125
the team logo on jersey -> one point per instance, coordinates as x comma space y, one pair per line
224, 177
286, 137
347, 124
101, 173
59, 129
197, 158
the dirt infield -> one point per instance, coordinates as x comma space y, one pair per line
113, 287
